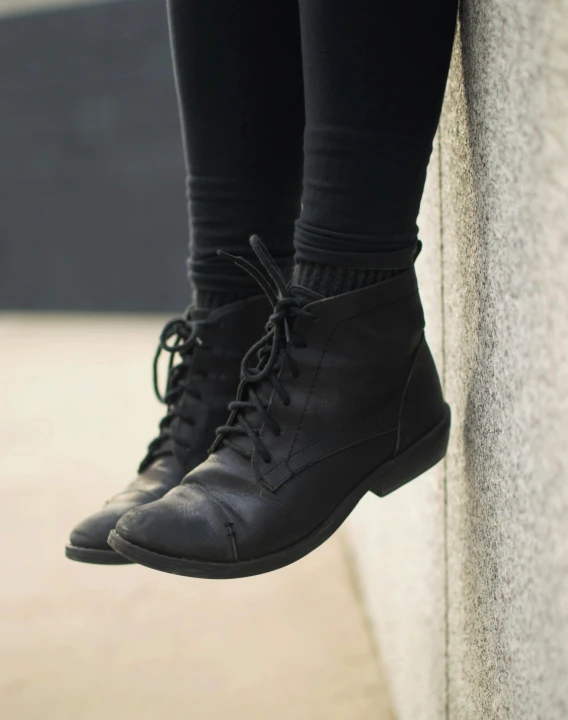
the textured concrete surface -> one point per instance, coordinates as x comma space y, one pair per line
397, 543
505, 233
84, 642
494, 533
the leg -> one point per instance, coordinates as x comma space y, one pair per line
238, 69
239, 77
374, 75
346, 398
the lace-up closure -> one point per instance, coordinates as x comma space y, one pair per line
263, 362
365, 414
205, 348
185, 332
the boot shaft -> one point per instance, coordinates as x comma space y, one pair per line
353, 371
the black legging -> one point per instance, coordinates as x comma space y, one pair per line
357, 129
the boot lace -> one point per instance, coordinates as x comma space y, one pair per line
184, 332
263, 362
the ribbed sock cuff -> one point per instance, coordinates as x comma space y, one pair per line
328, 281
217, 298
211, 299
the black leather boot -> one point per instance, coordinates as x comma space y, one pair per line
340, 397
210, 345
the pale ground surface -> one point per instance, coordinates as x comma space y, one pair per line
84, 642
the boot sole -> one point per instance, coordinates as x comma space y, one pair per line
95, 556
390, 476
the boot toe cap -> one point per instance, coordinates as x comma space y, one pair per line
187, 524
92, 533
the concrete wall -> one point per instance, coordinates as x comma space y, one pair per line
465, 571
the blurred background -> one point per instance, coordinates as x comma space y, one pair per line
92, 179
93, 242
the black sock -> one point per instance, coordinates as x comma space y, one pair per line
211, 299
328, 281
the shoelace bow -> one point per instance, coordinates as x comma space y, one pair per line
265, 358
186, 335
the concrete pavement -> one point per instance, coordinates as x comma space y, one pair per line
85, 643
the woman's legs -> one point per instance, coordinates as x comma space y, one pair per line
239, 77
346, 398
238, 71
374, 79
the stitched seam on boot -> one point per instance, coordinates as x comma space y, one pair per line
254, 458
324, 351
299, 426
331, 454
228, 524
347, 447
319, 442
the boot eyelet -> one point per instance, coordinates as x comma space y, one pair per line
267, 460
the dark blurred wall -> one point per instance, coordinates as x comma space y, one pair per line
92, 203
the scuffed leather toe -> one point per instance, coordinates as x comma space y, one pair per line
187, 523
93, 532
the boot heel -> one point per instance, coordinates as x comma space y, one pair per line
414, 461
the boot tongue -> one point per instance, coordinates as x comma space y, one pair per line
253, 417
264, 388
185, 402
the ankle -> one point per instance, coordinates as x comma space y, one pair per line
329, 281
212, 299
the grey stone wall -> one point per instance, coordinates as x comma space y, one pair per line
465, 573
